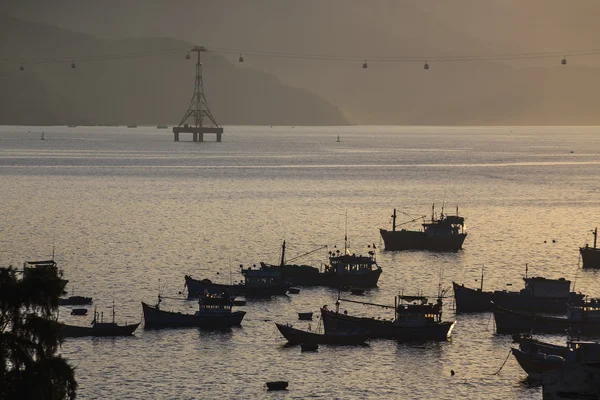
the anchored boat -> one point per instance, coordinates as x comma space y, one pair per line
583, 318
590, 256
446, 233
345, 269
414, 319
98, 328
214, 312
539, 295
298, 336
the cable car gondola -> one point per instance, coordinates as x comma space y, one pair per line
241, 59
187, 56
73, 64
365, 64
564, 61
426, 66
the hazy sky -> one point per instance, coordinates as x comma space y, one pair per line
335, 26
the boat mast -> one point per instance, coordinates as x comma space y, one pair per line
595, 236
432, 212
346, 235
394, 221
482, 265
113, 311
283, 254
526, 269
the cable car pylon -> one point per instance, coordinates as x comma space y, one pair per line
198, 110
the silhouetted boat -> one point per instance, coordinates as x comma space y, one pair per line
590, 256
75, 301
446, 233
414, 319
97, 328
582, 318
214, 312
344, 270
530, 345
79, 311
29, 265
162, 127
298, 336
277, 385
257, 284
539, 295
305, 316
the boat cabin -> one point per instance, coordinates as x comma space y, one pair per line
213, 303
351, 263
261, 277
415, 310
540, 287
588, 311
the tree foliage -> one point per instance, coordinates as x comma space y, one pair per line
29, 336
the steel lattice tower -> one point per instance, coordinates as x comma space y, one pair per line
198, 109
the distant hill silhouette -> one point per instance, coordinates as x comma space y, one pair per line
153, 89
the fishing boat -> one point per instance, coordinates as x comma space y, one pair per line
297, 336
583, 318
277, 385
590, 256
575, 381
75, 301
97, 328
535, 362
28, 266
414, 319
257, 284
345, 269
530, 345
214, 312
539, 295
446, 233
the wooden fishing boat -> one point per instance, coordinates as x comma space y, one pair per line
75, 301
345, 269
28, 266
581, 318
257, 284
414, 319
530, 345
214, 312
446, 233
590, 256
298, 336
97, 328
539, 295
305, 316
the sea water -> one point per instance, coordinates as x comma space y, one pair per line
128, 212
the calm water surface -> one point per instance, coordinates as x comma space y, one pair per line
129, 211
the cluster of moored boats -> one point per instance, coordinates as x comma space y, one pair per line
522, 313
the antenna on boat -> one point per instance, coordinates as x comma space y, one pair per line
113, 311
526, 270
394, 220
432, 212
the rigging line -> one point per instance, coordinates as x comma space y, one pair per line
497, 372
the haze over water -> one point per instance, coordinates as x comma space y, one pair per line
129, 211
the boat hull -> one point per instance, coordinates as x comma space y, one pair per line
590, 257
155, 318
361, 279
530, 345
508, 321
417, 240
297, 336
335, 322
196, 288
535, 364
475, 300
100, 329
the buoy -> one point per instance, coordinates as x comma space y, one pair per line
452, 372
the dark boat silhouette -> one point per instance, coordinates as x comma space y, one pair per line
583, 318
446, 233
345, 269
539, 295
590, 256
28, 266
214, 312
75, 301
414, 319
298, 336
97, 328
